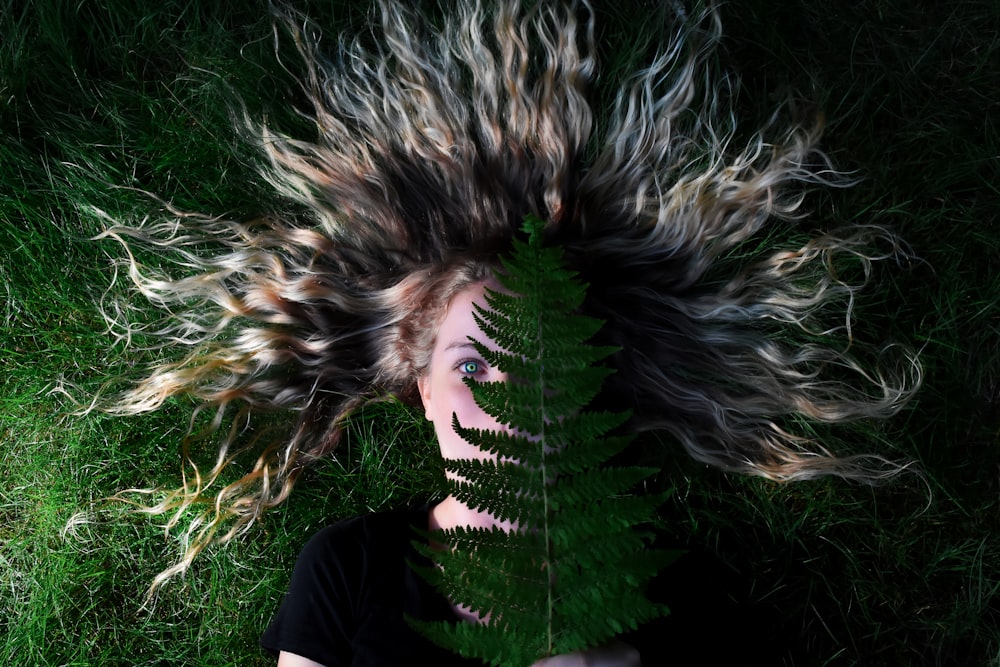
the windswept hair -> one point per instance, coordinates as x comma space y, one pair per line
430, 148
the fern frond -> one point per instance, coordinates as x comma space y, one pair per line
571, 575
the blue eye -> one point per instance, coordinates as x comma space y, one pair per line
469, 367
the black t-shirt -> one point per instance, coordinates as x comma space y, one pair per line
351, 586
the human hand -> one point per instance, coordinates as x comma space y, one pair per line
615, 654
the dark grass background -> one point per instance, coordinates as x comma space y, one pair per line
100, 98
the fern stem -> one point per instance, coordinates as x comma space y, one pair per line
545, 482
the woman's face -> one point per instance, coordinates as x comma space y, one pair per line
453, 358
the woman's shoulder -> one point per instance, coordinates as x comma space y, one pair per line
392, 529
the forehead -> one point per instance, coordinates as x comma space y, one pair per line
459, 321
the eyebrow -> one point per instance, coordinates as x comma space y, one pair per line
458, 344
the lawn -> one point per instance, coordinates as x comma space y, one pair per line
109, 109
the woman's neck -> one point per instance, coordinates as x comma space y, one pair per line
452, 513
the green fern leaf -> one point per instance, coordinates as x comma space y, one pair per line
572, 576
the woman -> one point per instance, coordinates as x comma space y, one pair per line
352, 584
429, 151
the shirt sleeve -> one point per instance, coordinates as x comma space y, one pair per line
317, 617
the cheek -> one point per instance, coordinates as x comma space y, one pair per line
469, 413
463, 405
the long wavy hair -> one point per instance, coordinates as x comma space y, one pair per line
429, 150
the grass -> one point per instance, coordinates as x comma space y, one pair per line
94, 101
